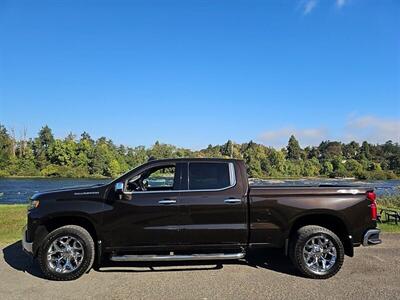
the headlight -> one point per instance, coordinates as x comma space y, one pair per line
33, 204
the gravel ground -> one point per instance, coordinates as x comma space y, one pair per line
373, 273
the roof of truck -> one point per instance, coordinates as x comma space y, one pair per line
194, 159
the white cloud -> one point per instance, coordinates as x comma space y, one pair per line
308, 6
372, 129
364, 128
340, 3
308, 136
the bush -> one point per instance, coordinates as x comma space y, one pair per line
51, 171
4, 173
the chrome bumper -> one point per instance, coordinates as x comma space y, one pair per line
371, 237
26, 246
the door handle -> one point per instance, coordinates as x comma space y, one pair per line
167, 201
231, 201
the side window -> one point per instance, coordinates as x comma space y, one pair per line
159, 178
210, 175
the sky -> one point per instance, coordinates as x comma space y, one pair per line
193, 73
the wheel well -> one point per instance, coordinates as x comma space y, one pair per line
333, 223
58, 222
52, 224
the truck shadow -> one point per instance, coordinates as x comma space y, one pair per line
17, 259
271, 259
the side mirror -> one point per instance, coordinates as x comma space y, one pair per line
119, 188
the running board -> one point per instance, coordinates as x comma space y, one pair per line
211, 256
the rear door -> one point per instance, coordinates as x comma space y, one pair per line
213, 204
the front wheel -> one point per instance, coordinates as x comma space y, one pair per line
317, 252
66, 253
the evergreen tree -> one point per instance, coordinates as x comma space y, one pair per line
293, 149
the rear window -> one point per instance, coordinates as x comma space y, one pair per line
209, 176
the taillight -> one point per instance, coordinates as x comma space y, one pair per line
371, 196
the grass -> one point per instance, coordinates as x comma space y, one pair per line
389, 227
13, 219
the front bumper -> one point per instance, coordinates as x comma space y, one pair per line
26, 246
371, 237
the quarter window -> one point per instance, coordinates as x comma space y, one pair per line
210, 176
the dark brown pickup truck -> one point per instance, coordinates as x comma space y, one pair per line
196, 209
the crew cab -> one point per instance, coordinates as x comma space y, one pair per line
196, 209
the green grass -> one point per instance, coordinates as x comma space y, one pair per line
13, 219
389, 227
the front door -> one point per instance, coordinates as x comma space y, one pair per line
147, 213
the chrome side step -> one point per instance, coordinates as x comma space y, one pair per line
210, 256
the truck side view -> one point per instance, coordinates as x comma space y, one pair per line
196, 209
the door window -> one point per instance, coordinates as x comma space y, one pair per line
204, 176
160, 178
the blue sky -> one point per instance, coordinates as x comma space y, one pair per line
191, 73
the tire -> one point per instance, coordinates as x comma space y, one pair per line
66, 253
316, 252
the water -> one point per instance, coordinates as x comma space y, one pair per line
19, 190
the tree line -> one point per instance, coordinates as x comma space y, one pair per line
83, 156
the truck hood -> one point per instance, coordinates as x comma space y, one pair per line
94, 191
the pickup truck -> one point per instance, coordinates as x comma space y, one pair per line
196, 209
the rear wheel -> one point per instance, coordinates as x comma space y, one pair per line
66, 253
317, 252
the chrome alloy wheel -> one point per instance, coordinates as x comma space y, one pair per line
319, 254
65, 254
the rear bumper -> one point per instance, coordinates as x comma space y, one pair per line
26, 246
371, 237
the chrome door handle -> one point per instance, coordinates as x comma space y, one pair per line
230, 201
167, 201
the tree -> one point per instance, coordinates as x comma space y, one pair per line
41, 147
62, 153
293, 149
5, 149
339, 169
327, 168
159, 151
136, 156
311, 168
254, 154
101, 157
277, 162
354, 167
84, 153
332, 149
351, 150
46, 137
365, 151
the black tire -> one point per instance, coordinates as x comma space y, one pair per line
298, 242
84, 238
